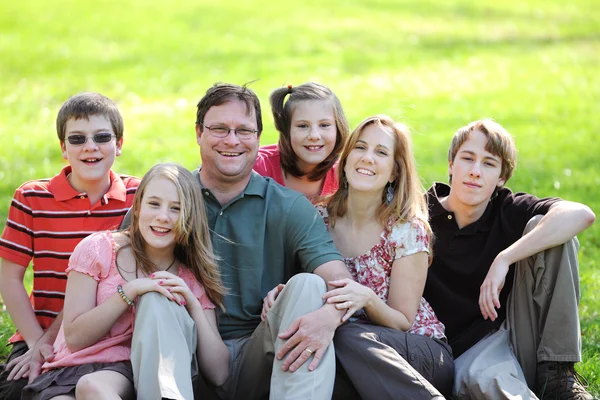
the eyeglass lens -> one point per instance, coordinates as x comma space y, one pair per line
98, 138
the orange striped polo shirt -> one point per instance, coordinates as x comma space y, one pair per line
46, 220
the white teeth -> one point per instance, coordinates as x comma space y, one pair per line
161, 230
91, 159
365, 171
313, 147
224, 153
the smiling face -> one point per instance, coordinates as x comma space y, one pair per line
370, 164
90, 162
159, 212
312, 133
227, 160
475, 172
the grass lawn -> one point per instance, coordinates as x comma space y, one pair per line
532, 65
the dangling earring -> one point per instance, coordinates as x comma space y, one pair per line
345, 186
389, 195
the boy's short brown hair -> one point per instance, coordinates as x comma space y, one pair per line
500, 143
221, 93
82, 106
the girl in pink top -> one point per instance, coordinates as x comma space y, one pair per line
167, 250
312, 130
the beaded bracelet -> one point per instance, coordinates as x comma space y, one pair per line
124, 296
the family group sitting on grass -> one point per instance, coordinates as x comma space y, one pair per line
337, 276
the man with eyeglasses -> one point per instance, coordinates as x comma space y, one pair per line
48, 218
264, 235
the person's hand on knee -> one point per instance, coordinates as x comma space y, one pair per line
308, 336
269, 300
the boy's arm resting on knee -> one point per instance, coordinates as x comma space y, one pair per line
17, 301
563, 221
310, 335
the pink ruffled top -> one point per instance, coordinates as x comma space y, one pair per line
95, 256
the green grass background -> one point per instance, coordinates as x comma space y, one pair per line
533, 65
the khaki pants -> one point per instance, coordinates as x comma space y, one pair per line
163, 349
254, 370
542, 324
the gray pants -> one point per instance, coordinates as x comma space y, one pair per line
254, 370
542, 324
163, 349
385, 363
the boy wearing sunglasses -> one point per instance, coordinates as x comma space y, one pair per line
48, 218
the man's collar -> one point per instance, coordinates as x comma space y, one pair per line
256, 185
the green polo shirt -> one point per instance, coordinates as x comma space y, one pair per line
263, 237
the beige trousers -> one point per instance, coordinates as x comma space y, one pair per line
542, 324
255, 372
163, 349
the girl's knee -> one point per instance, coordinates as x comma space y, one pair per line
88, 387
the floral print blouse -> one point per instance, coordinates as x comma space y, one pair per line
374, 268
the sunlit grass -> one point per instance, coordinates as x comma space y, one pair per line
531, 65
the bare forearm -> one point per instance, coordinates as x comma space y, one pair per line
50, 335
213, 355
19, 308
88, 328
380, 313
332, 271
563, 221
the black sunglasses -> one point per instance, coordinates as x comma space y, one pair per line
78, 140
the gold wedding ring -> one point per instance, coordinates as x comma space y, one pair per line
309, 350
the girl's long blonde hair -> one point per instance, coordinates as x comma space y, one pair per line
193, 247
409, 195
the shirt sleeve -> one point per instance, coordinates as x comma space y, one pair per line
93, 256
16, 244
409, 238
519, 208
308, 237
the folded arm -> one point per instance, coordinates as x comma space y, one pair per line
563, 221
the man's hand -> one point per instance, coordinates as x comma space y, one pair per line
30, 363
489, 296
270, 299
309, 335
349, 295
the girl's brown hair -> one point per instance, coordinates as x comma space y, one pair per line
282, 115
193, 246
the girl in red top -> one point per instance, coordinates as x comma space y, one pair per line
312, 130
166, 250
